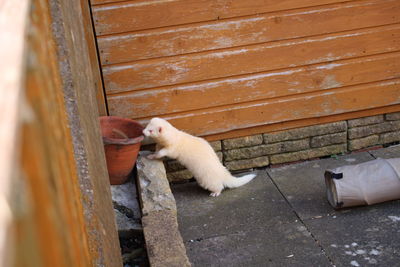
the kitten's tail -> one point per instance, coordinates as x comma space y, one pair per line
233, 182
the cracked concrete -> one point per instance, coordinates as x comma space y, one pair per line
282, 218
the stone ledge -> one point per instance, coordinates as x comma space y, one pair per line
216, 145
365, 121
363, 131
179, 176
392, 116
263, 150
364, 142
247, 163
329, 139
245, 153
390, 137
308, 154
164, 243
304, 132
154, 191
246, 141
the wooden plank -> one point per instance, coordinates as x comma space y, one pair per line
246, 30
98, 2
286, 125
297, 107
167, 100
138, 15
256, 58
93, 55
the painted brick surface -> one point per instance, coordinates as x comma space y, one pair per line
301, 133
243, 141
365, 121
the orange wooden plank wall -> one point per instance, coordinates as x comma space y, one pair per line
231, 68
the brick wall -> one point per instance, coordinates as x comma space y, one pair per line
300, 144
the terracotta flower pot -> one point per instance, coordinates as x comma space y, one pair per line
121, 138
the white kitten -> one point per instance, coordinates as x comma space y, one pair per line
195, 154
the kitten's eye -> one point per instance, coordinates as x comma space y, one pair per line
150, 131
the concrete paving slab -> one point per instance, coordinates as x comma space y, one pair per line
276, 245
303, 184
257, 203
387, 153
286, 221
361, 236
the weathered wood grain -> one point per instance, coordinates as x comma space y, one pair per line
138, 15
218, 68
297, 107
242, 31
250, 59
94, 59
273, 84
97, 2
286, 125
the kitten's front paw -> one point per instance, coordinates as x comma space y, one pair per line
215, 194
151, 156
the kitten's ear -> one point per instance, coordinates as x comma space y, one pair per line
159, 129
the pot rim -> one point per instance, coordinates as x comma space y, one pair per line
128, 141
120, 141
